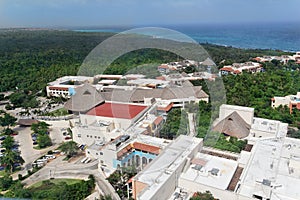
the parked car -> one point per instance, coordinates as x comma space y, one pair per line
3, 137
68, 138
17, 164
34, 143
50, 157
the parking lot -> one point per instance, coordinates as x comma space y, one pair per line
28, 153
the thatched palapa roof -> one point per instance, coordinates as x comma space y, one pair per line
233, 125
85, 98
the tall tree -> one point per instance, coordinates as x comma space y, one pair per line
7, 121
9, 159
70, 148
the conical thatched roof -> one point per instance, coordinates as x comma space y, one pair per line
85, 98
233, 125
208, 62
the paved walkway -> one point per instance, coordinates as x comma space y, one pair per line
191, 118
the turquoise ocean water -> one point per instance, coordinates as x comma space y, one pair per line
281, 36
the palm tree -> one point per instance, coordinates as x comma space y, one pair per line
10, 158
70, 148
40, 127
8, 142
7, 120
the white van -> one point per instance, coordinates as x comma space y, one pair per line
84, 159
88, 160
50, 156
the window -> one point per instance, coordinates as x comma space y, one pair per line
87, 135
101, 153
95, 136
97, 154
79, 135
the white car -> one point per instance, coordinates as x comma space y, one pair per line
50, 156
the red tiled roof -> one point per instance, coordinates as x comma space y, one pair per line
58, 88
146, 147
130, 180
163, 66
257, 59
124, 150
158, 120
115, 110
139, 146
227, 69
161, 78
236, 72
167, 108
199, 161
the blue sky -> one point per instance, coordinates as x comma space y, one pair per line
56, 13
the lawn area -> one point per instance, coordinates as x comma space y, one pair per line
2, 173
56, 181
57, 113
64, 189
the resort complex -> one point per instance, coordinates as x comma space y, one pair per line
163, 131
120, 128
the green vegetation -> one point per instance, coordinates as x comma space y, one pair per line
30, 59
46, 55
41, 130
119, 178
174, 127
6, 182
70, 148
57, 113
176, 124
2, 97
49, 189
11, 159
222, 55
23, 99
7, 121
106, 197
203, 196
219, 141
56, 181
256, 90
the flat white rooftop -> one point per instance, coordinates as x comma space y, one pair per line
70, 78
273, 170
143, 81
278, 128
233, 107
225, 168
156, 174
107, 81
